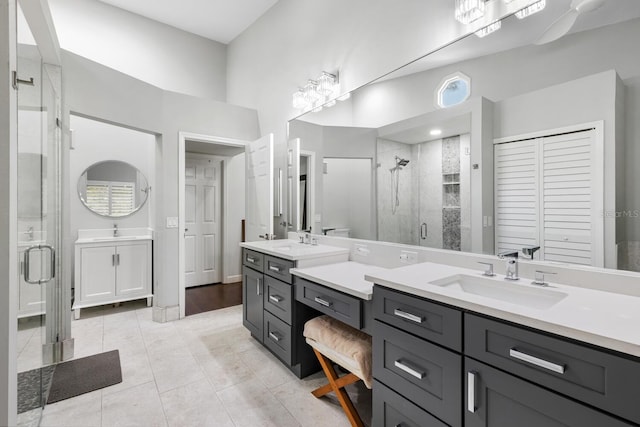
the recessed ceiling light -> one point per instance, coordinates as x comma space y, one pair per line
435, 132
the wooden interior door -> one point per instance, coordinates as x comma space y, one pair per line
203, 256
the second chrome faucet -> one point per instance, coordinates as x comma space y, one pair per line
511, 269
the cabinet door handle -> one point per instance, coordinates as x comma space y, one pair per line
118, 259
258, 280
251, 260
471, 392
275, 268
275, 298
274, 337
113, 260
408, 316
322, 302
409, 370
513, 352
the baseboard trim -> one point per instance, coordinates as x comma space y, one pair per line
166, 314
233, 279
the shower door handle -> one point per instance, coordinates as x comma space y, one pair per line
27, 268
423, 231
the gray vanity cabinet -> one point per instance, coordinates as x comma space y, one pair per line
252, 301
505, 375
497, 399
416, 355
270, 312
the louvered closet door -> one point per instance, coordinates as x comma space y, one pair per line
567, 210
516, 195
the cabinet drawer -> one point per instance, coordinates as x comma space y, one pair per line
392, 410
435, 322
277, 298
253, 259
343, 307
278, 268
497, 399
277, 336
423, 372
604, 380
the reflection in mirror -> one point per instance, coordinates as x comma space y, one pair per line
113, 188
538, 155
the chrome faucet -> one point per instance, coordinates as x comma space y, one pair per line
538, 279
115, 230
530, 250
511, 270
488, 271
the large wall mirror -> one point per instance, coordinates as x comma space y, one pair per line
538, 154
113, 189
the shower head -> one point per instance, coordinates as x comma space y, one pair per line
401, 162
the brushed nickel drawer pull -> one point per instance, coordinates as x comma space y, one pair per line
274, 337
408, 316
471, 392
409, 370
275, 268
536, 361
251, 260
275, 298
322, 302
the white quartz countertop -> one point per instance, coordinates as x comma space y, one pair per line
293, 250
106, 235
347, 277
601, 318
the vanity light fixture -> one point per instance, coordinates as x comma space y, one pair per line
467, 11
317, 93
493, 27
531, 9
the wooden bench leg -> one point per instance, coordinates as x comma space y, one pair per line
336, 385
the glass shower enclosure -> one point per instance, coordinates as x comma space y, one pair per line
423, 192
39, 226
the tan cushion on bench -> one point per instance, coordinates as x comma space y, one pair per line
346, 346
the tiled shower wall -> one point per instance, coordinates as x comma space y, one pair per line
396, 228
434, 190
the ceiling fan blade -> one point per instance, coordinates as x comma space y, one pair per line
583, 6
559, 28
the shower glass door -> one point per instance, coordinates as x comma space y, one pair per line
38, 227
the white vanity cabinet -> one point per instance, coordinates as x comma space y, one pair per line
111, 271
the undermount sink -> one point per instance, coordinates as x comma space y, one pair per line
514, 293
110, 238
283, 248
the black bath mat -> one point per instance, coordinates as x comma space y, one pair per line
80, 376
33, 387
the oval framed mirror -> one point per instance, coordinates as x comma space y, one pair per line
113, 189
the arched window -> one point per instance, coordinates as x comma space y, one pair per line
453, 90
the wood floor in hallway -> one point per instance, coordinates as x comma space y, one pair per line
200, 299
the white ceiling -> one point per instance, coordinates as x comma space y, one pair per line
219, 20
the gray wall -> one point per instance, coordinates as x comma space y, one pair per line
159, 54
96, 91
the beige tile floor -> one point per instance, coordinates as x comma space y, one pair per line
204, 370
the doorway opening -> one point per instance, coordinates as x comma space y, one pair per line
211, 199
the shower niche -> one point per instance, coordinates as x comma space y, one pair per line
423, 192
